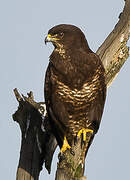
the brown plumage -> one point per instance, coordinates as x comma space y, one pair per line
75, 87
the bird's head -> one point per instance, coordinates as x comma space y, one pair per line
67, 36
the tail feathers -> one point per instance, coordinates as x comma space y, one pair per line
50, 149
49, 144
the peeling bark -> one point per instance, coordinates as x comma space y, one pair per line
113, 53
36, 137
29, 120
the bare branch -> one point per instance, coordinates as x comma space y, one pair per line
113, 53
36, 137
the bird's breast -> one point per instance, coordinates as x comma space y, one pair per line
77, 97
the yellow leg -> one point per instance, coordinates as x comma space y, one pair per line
65, 145
84, 131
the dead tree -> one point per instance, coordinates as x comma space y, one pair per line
36, 132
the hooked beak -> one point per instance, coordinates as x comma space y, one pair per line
50, 38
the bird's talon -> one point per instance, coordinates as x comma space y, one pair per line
84, 133
61, 157
72, 152
65, 145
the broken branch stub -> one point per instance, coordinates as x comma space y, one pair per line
36, 137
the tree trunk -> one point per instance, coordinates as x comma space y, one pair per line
38, 144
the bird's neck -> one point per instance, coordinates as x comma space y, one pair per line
61, 50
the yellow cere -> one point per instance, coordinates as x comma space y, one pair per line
52, 37
49, 36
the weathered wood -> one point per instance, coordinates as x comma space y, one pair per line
30, 121
113, 53
38, 144
72, 163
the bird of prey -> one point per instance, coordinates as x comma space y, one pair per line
75, 88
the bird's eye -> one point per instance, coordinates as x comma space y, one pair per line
61, 34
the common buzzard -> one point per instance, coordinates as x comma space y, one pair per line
75, 88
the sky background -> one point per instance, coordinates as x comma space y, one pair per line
23, 61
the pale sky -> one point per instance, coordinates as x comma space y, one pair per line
23, 61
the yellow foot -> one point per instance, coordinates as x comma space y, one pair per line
65, 145
84, 131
